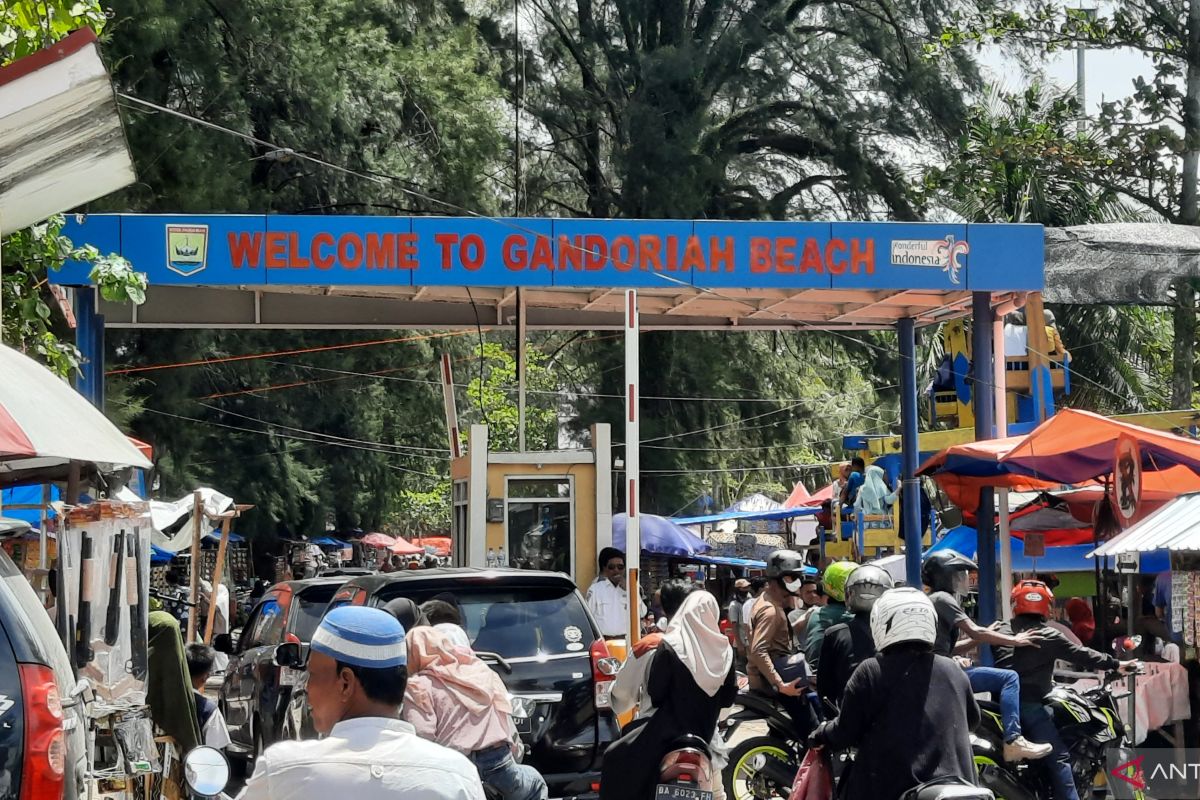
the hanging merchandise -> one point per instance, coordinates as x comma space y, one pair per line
103, 597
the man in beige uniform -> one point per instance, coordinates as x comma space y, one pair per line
771, 638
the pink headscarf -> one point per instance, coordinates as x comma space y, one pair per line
436, 665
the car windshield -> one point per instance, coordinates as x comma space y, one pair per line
514, 622
310, 607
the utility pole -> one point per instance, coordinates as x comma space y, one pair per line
1081, 76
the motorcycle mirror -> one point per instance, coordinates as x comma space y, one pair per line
291, 654
206, 771
1123, 645
223, 643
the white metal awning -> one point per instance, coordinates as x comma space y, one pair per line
1175, 526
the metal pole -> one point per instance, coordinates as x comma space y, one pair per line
910, 506
981, 349
521, 367
43, 520
633, 530
1000, 407
194, 570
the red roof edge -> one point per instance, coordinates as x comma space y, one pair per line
42, 58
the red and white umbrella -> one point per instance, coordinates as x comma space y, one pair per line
45, 424
377, 540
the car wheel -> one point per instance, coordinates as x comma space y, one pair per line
760, 768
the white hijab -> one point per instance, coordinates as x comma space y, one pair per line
694, 635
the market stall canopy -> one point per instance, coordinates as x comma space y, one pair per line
158, 556
661, 536
45, 425
438, 545
60, 133
1076, 446
329, 541
1174, 527
165, 516
963, 469
1068, 558
214, 537
377, 540
403, 547
801, 497
1089, 264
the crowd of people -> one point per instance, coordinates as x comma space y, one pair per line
406, 708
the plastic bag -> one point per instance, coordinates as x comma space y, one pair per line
814, 779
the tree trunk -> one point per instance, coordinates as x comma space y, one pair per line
1185, 342
1189, 214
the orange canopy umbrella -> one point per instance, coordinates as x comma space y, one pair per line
964, 469
1076, 446
403, 547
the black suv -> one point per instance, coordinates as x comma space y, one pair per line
255, 693
42, 730
535, 630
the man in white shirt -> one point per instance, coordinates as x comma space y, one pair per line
356, 679
607, 599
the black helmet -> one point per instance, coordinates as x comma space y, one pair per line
938, 570
785, 563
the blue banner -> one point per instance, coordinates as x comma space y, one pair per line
237, 250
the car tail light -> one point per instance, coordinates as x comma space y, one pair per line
604, 672
686, 766
45, 762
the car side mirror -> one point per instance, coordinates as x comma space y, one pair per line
291, 654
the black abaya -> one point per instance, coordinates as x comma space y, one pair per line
630, 770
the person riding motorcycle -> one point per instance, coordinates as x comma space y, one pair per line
848, 644
1031, 602
832, 613
909, 712
947, 574
771, 643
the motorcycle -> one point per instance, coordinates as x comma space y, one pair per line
762, 767
685, 772
1089, 725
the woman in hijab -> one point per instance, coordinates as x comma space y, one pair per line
691, 680
1083, 622
874, 497
455, 700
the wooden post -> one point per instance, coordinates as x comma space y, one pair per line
216, 579
194, 568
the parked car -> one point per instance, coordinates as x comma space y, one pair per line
255, 692
42, 730
536, 632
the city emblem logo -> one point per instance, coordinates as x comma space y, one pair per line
187, 248
943, 254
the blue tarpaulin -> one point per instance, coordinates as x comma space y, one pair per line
27, 496
158, 556
780, 513
662, 536
215, 536
1070, 558
329, 541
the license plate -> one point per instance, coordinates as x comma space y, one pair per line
681, 793
523, 724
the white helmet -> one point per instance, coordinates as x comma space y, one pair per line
903, 615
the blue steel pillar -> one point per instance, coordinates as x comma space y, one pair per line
982, 393
910, 505
89, 338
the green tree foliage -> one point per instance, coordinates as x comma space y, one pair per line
1023, 158
1150, 140
735, 109
395, 94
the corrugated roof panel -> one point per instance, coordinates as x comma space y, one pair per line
1175, 526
